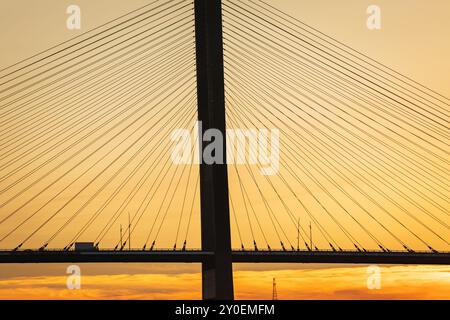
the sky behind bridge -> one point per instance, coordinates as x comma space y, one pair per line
413, 40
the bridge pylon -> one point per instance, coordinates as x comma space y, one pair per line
217, 273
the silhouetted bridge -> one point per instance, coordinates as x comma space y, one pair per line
83, 129
197, 256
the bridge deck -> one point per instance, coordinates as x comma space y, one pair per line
163, 256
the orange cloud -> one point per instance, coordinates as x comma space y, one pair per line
398, 282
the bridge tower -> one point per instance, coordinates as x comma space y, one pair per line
217, 273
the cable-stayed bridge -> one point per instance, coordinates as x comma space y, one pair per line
86, 147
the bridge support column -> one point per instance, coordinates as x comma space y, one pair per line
217, 273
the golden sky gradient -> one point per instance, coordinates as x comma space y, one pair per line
397, 44
413, 40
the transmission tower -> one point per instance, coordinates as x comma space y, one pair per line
274, 290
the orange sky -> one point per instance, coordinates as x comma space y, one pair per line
320, 282
346, 23
413, 40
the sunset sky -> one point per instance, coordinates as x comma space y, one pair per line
133, 281
413, 40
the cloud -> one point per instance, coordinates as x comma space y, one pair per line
398, 282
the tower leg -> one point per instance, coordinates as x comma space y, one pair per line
217, 273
